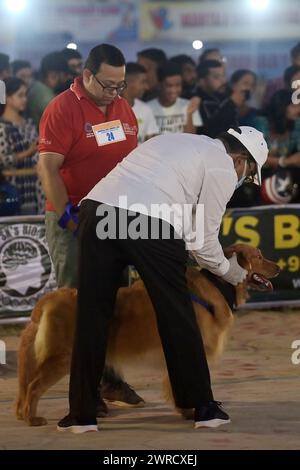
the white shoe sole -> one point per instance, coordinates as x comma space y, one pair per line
79, 429
212, 423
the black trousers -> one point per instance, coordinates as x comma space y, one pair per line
161, 265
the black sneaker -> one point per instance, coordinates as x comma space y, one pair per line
121, 394
210, 415
76, 426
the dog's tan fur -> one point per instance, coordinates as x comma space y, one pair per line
46, 343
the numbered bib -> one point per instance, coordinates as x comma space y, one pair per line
109, 132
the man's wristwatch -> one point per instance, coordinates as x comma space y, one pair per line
69, 214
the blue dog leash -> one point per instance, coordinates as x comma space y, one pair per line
195, 298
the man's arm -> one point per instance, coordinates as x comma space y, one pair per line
52, 183
216, 192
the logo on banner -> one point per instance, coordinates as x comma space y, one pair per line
25, 267
160, 19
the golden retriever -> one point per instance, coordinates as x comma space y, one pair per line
46, 343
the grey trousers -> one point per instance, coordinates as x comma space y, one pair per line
63, 249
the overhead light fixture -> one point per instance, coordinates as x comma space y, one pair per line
197, 44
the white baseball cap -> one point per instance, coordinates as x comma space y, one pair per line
255, 143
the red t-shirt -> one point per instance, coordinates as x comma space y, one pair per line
66, 128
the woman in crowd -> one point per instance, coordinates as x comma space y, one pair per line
245, 80
18, 147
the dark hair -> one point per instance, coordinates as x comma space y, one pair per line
133, 68
203, 69
295, 51
168, 69
276, 111
289, 73
4, 62
203, 56
17, 65
181, 60
233, 145
156, 55
53, 62
239, 74
12, 85
69, 54
104, 54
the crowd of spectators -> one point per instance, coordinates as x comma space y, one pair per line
167, 95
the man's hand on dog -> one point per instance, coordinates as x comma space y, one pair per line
236, 274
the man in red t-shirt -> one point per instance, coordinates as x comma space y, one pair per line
84, 133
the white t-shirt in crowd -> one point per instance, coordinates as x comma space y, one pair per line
173, 118
145, 119
174, 170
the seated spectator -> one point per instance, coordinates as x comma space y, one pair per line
151, 59
54, 74
188, 74
245, 81
172, 113
281, 128
136, 80
279, 83
218, 110
74, 61
5, 70
18, 147
22, 69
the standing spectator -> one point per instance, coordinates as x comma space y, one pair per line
291, 75
172, 113
218, 111
212, 54
54, 73
18, 146
281, 128
74, 60
84, 133
245, 81
188, 74
5, 70
136, 80
279, 82
22, 69
151, 59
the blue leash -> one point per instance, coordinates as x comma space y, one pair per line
195, 298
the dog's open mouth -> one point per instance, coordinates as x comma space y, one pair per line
259, 282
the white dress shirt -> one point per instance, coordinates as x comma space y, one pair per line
176, 169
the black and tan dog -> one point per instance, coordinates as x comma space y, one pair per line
46, 343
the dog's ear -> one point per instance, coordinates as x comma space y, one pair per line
238, 249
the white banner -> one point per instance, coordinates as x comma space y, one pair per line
226, 20
26, 272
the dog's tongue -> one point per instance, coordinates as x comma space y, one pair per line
260, 282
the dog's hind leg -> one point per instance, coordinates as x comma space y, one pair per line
47, 374
26, 366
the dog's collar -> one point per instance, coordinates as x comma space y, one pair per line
195, 298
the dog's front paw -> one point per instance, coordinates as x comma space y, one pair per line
37, 421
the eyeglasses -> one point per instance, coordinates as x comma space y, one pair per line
111, 89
